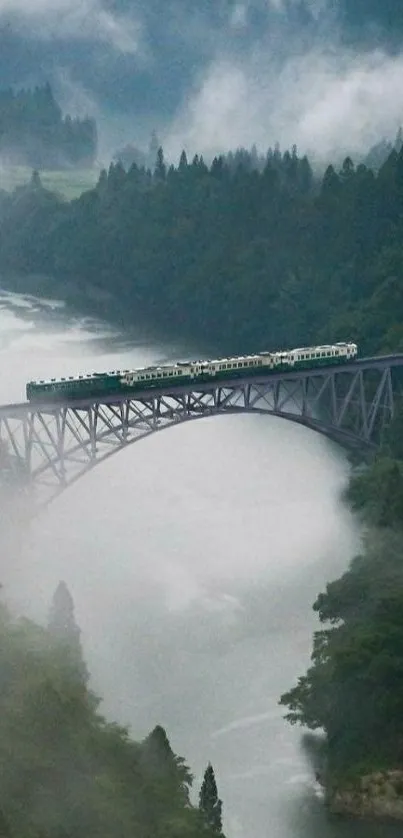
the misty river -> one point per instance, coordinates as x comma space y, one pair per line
193, 558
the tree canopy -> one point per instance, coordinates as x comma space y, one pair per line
354, 687
258, 254
210, 804
66, 771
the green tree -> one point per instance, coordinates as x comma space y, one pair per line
160, 167
64, 630
65, 771
210, 804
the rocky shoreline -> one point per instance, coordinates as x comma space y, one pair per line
377, 795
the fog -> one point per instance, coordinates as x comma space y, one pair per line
210, 77
88, 20
329, 102
193, 558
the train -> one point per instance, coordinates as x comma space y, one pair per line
97, 385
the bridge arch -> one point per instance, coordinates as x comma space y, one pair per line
53, 446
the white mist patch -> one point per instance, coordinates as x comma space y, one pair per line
246, 722
330, 100
90, 20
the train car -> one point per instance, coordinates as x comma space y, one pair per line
99, 385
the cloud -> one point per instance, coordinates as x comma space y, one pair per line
239, 15
330, 99
246, 722
74, 19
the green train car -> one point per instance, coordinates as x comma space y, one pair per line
98, 385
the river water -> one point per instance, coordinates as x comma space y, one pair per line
193, 558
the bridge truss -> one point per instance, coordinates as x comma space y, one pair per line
52, 446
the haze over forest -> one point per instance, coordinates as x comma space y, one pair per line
194, 559
325, 74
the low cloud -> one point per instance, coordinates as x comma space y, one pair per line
331, 100
74, 19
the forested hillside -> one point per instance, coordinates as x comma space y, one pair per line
33, 131
354, 687
254, 259
65, 771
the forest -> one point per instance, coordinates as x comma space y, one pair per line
354, 687
248, 256
253, 257
66, 772
34, 133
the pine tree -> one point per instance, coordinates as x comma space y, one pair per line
160, 167
183, 162
153, 147
64, 629
209, 803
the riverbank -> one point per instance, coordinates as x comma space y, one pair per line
116, 307
377, 795
353, 690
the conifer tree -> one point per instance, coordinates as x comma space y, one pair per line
183, 162
160, 167
64, 629
153, 147
209, 803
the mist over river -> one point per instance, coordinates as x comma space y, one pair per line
193, 558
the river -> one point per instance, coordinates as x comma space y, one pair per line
193, 558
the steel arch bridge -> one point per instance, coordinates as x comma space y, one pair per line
52, 445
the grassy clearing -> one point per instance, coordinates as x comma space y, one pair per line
70, 183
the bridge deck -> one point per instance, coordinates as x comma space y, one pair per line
50, 446
21, 409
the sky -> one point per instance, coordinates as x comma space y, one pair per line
214, 75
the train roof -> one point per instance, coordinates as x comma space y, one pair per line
91, 375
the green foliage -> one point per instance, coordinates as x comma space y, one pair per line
65, 771
354, 687
210, 804
378, 493
65, 631
256, 252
